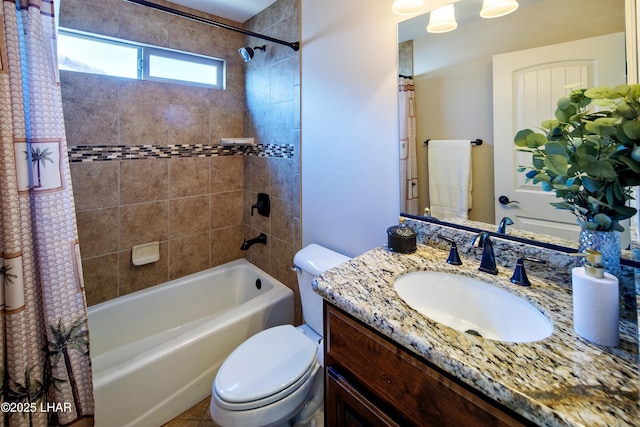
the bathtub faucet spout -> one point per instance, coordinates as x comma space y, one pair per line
262, 238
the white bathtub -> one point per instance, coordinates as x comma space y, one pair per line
155, 352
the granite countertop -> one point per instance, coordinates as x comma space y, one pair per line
563, 380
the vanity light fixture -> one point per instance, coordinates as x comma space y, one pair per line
497, 8
408, 7
442, 20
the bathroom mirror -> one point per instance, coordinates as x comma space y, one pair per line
453, 76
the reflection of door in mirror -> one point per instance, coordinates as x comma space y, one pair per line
526, 87
453, 74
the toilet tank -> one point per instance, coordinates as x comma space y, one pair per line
313, 260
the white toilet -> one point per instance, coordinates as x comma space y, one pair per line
275, 378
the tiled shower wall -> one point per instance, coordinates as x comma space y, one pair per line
146, 165
272, 116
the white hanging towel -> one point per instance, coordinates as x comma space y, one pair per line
450, 178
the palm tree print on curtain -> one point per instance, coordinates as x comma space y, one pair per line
39, 159
407, 137
45, 365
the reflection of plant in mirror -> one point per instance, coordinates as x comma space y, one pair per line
589, 158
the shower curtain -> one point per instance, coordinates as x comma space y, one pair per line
45, 364
408, 161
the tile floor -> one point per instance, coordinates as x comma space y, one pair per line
197, 416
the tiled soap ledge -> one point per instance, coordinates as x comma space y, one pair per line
103, 153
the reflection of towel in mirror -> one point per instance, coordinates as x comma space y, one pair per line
450, 178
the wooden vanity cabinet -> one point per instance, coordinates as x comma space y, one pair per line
371, 381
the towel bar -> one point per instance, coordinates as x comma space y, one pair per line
473, 141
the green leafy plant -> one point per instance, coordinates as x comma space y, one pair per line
590, 158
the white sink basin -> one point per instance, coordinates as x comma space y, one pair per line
473, 306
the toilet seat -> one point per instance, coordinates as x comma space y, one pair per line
265, 368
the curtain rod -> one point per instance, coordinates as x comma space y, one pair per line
295, 45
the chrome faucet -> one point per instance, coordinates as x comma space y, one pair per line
488, 262
502, 227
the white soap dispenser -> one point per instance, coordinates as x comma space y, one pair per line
595, 301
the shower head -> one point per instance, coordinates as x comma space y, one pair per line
247, 53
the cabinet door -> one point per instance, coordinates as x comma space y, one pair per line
407, 388
346, 407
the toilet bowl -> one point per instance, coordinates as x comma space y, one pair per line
275, 378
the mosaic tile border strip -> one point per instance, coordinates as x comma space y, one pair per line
105, 153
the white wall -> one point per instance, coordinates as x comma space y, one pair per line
349, 124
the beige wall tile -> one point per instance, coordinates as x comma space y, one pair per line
283, 9
281, 75
193, 37
297, 235
258, 254
189, 255
279, 123
286, 29
189, 95
143, 223
144, 180
232, 98
225, 124
258, 93
227, 173
136, 11
90, 121
257, 171
283, 178
188, 124
189, 215
95, 16
249, 198
189, 176
281, 262
282, 220
98, 232
144, 25
225, 245
143, 123
134, 278
143, 92
100, 278
226, 209
85, 85
95, 185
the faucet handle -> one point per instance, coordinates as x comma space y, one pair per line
454, 256
263, 205
520, 275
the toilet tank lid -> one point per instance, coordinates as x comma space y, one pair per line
316, 259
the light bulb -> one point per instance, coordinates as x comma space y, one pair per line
497, 8
442, 19
408, 7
